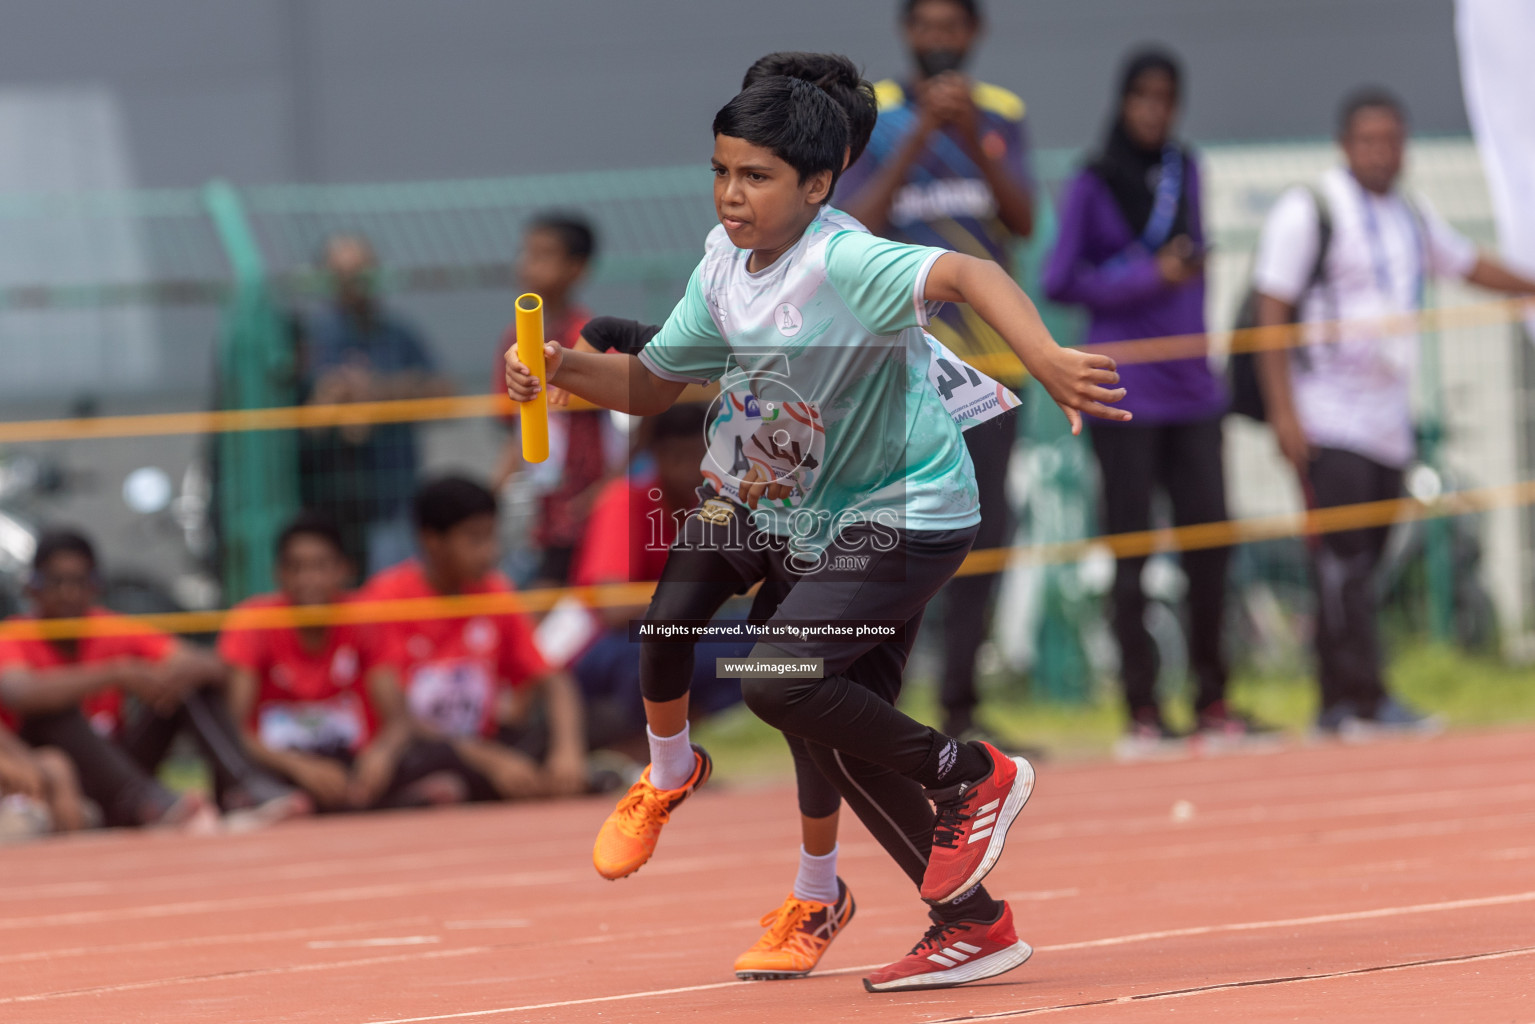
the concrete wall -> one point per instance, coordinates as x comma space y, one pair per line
368, 90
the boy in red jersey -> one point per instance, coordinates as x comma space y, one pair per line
467, 675
317, 704
55, 684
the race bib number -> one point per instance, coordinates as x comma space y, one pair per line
337, 724
452, 696
970, 396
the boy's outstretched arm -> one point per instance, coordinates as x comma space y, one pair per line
1078, 381
609, 379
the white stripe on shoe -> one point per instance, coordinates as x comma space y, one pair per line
988, 966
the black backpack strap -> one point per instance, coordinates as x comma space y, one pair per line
1323, 236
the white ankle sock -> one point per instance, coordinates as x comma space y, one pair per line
817, 878
671, 759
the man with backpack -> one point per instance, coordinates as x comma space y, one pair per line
1340, 257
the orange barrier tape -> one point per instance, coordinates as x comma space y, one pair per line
1123, 545
412, 410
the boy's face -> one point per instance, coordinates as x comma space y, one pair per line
465, 554
64, 587
311, 571
759, 197
545, 267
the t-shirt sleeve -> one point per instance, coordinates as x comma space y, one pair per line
882, 282
1287, 247
520, 660
1450, 253
240, 645
689, 347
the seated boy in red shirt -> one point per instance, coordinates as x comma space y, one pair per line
316, 704
54, 684
467, 675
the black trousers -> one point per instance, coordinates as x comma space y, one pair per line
1349, 659
968, 600
1183, 461
848, 719
125, 792
204, 716
709, 564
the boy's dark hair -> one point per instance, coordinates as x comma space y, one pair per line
1369, 97
61, 542
685, 419
573, 230
838, 76
444, 503
311, 524
799, 123
971, 7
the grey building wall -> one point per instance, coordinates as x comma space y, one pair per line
342, 90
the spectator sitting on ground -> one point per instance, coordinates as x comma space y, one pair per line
317, 704
466, 676
557, 250
38, 789
62, 688
631, 530
355, 350
1340, 402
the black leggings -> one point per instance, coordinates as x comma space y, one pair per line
967, 600
204, 715
1184, 461
848, 719
705, 568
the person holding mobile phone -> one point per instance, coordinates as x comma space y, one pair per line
948, 166
1132, 250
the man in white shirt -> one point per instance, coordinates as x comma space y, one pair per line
1340, 404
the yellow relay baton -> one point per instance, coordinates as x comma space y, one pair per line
534, 418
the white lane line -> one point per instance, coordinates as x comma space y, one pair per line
1296, 922
403, 940
1150, 997
239, 938
1119, 940
513, 880
195, 979
510, 922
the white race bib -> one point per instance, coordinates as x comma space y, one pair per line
451, 695
335, 724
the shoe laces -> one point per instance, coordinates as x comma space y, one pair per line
783, 923
935, 936
641, 812
951, 822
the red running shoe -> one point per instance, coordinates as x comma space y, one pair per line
973, 819
953, 954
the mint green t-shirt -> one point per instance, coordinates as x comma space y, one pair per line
829, 340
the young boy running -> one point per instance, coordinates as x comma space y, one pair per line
889, 507
706, 574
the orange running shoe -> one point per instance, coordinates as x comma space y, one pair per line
798, 933
628, 838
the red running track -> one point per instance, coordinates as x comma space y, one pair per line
1388, 882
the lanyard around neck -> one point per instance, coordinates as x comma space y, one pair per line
1165, 208
1379, 257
